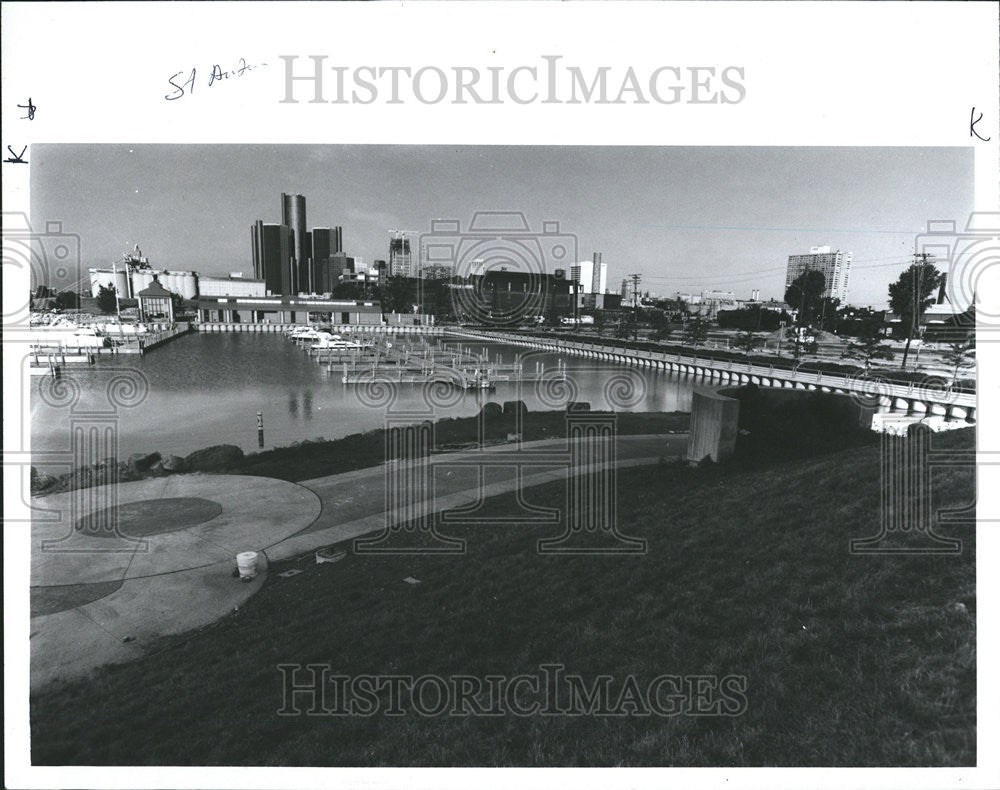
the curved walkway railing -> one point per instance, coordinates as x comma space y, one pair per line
914, 397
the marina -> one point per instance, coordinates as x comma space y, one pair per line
214, 383
52, 351
419, 361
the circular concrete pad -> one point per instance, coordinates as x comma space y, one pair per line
255, 512
103, 600
148, 517
49, 600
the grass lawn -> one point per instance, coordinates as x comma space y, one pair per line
849, 660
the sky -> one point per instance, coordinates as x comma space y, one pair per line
686, 219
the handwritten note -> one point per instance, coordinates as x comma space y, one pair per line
183, 82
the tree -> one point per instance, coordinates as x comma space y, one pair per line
67, 300
806, 294
748, 342
869, 345
600, 321
178, 303
661, 333
910, 296
107, 299
695, 333
800, 345
793, 334
828, 313
958, 354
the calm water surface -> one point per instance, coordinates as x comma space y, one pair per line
205, 389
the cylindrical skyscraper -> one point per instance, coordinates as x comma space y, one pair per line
293, 214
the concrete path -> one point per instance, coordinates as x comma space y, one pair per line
354, 502
172, 582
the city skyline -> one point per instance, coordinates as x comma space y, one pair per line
687, 219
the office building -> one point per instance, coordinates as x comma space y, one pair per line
834, 265
293, 216
272, 256
400, 259
598, 276
582, 274
291, 259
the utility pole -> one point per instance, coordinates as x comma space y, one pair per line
916, 288
114, 278
636, 279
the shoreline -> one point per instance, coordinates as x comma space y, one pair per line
311, 458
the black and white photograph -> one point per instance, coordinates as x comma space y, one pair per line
338, 453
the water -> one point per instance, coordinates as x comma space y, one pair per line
206, 389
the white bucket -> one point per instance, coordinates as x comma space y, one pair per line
247, 563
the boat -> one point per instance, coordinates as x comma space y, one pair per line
479, 381
336, 342
307, 335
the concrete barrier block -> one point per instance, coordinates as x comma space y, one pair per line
714, 426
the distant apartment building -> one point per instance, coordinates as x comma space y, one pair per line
834, 265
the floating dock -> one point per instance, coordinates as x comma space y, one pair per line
417, 361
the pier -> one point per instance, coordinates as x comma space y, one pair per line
416, 361
51, 355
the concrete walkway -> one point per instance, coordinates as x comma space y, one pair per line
353, 503
172, 582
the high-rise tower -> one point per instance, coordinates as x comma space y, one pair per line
293, 214
292, 260
599, 275
272, 263
835, 266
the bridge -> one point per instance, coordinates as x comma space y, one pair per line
914, 398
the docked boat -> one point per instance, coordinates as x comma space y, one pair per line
335, 342
479, 381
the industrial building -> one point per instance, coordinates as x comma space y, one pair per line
835, 266
233, 285
187, 285
134, 273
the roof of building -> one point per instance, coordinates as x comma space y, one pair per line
229, 278
154, 289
